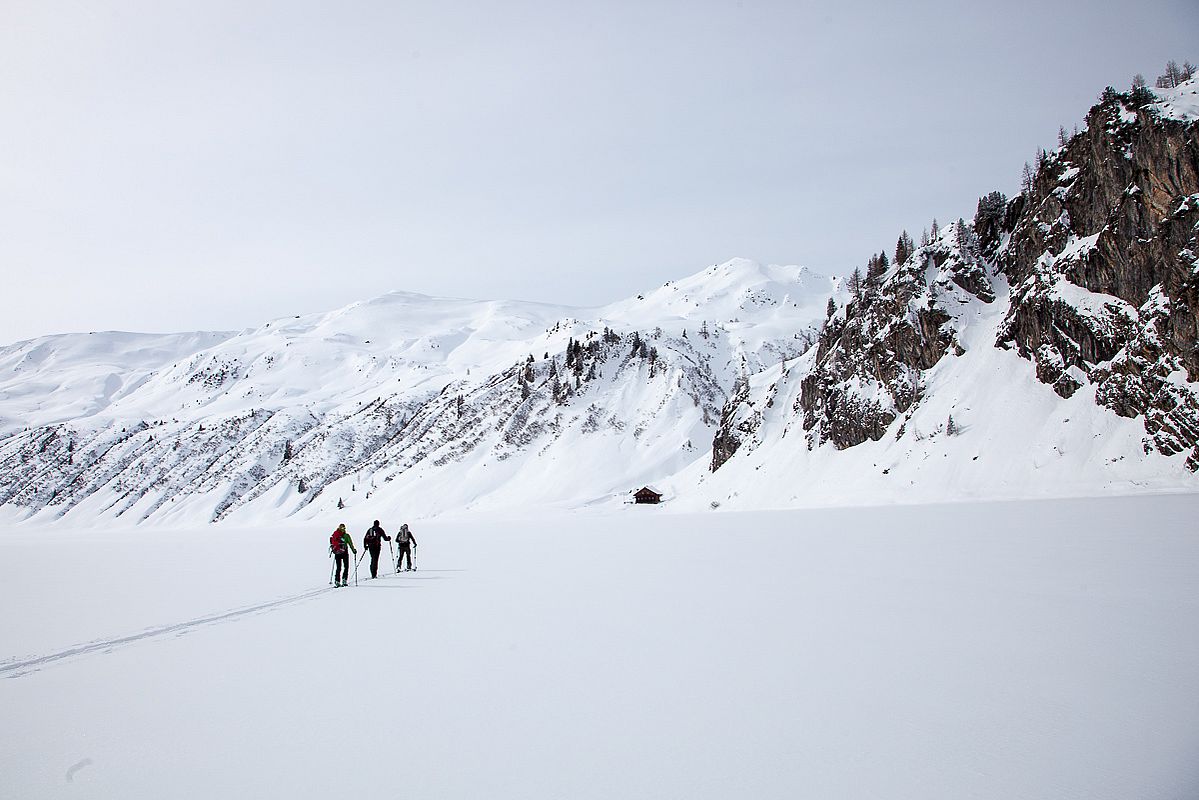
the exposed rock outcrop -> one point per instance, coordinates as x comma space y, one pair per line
1105, 280
868, 364
871, 355
738, 419
1100, 253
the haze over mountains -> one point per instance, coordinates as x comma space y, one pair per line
1045, 348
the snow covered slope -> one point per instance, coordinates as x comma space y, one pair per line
1046, 348
433, 402
72, 376
983, 427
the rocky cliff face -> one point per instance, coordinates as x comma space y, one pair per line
871, 357
1102, 260
867, 367
1100, 255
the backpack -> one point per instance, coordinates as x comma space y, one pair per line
403, 535
337, 544
371, 539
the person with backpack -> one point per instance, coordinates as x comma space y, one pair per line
405, 541
340, 545
373, 541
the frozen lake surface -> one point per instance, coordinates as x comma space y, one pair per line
1042, 649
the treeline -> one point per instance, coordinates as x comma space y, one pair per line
1138, 96
1173, 76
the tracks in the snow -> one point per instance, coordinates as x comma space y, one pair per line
15, 668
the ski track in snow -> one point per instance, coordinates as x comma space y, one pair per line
16, 669
984, 650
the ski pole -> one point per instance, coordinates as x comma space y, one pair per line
391, 550
334, 570
356, 563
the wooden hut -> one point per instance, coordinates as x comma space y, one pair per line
647, 495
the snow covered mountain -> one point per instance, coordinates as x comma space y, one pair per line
432, 403
1049, 347
70, 376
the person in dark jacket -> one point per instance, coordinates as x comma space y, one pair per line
340, 544
373, 541
405, 541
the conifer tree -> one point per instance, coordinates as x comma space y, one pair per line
1140, 97
1173, 74
876, 267
904, 248
990, 206
854, 283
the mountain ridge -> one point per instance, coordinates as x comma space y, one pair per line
401, 382
1048, 347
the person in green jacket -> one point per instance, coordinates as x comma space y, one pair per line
340, 544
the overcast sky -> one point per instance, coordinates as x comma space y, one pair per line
212, 165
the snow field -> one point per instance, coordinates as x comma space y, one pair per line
1006, 650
